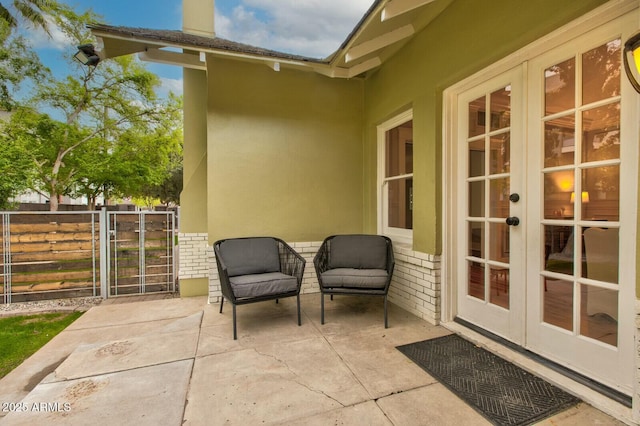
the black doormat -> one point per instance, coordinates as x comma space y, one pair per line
502, 392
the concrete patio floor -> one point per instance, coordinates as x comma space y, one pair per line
174, 362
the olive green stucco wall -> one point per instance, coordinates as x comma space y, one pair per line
193, 219
467, 37
193, 214
293, 154
284, 153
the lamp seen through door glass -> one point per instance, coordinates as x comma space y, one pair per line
584, 197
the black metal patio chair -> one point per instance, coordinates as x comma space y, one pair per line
257, 269
355, 265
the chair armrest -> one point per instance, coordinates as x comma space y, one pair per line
225, 285
321, 259
291, 263
391, 262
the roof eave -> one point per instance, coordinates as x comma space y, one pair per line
119, 41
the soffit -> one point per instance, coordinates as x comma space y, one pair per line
379, 36
382, 32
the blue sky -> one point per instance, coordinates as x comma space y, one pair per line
313, 28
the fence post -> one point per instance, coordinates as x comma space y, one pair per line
104, 253
6, 251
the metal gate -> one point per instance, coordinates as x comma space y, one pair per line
140, 254
57, 255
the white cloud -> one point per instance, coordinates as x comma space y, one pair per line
314, 28
169, 85
57, 41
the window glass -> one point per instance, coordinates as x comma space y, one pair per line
398, 176
399, 150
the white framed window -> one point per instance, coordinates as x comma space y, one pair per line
395, 177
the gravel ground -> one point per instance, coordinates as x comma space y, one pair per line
56, 305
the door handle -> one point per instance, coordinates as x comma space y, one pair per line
513, 221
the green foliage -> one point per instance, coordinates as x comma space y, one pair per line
168, 192
16, 168
104, 131
17, 63
32, 12
21, 336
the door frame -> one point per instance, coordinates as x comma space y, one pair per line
450, 124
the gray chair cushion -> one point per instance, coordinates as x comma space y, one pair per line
356, 278
250, 256
358, 251
262, 284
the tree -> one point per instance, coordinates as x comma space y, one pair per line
140, 158
99, 130
168, 192
15, 171
17, 63
111, 116
169, 189
31, 11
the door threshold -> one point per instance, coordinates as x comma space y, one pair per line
604, 398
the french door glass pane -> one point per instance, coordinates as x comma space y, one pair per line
599, 314
476, 239
500, 106
601, 189
560, 87
560, 141
476, 199
500, 154
499, 197
601, 254
476, 280
558, 248
477, 117
499, 237
601, 133
558, 303
558, 187
600, 72
499, 294
476, 158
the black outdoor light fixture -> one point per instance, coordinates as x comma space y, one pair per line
632, 47
87, 55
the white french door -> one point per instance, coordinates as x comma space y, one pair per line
547, 159
581, 253
490, 177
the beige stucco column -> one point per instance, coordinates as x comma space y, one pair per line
195, 253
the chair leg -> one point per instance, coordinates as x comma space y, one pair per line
332, 297
221, 303
277, 301
299, 320
386, 323
321, 308
235, 330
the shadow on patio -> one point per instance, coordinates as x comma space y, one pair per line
174, 362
